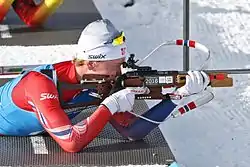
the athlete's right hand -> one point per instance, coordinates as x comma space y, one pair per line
123, 100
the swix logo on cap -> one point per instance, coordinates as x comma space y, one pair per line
45, 96
100, 56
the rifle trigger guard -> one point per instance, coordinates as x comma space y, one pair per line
118, 84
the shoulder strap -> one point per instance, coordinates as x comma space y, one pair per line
51, 73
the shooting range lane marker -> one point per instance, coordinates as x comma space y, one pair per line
43, 54
4, 30
39, 145
8, 76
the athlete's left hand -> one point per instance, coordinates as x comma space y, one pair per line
196, 82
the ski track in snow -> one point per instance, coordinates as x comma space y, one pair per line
216, 134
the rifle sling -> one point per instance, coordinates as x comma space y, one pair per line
67, 86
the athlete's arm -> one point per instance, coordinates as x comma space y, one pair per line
197, 81
136, 128
43, 96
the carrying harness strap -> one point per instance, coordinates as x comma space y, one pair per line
67, 86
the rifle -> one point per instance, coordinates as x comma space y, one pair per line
155, 81
143, 76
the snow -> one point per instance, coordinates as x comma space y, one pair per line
216, 134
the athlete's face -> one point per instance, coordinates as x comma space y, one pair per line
112, 67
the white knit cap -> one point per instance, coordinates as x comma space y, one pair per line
95, 42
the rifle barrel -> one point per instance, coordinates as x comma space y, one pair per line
228, 71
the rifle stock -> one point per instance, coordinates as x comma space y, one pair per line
178, 80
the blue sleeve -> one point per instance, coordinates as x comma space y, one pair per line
140, 128
83, 96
